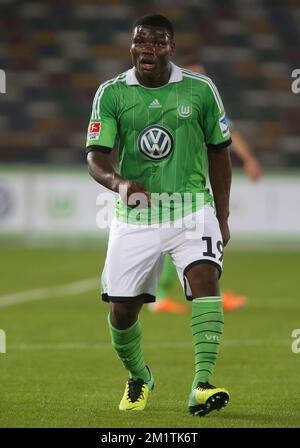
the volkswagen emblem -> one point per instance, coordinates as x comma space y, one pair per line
156, 142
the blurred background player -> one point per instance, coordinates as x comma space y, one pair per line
165, 303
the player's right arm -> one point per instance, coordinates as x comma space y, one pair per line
101, 169
101, 137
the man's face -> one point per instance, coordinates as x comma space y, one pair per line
151, 48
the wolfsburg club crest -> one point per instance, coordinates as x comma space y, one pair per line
184, 111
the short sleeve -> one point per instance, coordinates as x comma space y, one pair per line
216, 128
230, 124
102, 128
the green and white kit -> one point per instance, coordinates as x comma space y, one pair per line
163, 135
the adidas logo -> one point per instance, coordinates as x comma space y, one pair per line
155, 104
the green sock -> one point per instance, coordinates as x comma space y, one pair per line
207, 327
127, 344
167, 278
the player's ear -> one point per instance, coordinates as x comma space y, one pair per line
131, 43
130, 48
172, 48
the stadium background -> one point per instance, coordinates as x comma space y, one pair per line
59, 369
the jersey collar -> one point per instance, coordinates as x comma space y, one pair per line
176, 75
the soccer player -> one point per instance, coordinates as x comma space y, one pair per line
162, 117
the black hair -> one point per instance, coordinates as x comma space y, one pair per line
155, 20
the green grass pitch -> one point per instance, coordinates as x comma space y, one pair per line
60, 370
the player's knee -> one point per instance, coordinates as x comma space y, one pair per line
203, 280
123, 315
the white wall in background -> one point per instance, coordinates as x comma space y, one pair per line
271, 206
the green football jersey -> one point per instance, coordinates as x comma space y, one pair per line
162, 136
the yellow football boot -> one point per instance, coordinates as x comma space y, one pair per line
206, 398
136, 394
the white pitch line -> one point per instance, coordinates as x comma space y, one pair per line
73, 288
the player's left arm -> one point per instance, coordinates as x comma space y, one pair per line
217, 139
219, 166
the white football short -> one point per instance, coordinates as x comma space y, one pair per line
135, 254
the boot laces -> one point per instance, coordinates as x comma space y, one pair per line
135, 390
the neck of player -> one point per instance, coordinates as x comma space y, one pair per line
154, 79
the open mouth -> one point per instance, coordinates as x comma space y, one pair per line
147, 62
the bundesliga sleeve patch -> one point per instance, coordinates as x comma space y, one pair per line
94, 131
224, 126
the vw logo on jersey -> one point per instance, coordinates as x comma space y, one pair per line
155, 142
